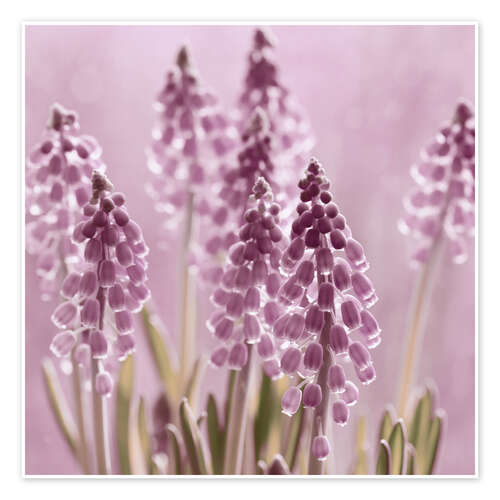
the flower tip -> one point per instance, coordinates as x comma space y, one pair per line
60, 116
184, 59
262, 190
263, 38
100, 184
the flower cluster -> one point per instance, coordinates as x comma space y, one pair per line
246, 299
442, 204
255, 160
112, 281
57, 186
326, 326
191, 135
289, 128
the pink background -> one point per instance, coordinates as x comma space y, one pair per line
374, 96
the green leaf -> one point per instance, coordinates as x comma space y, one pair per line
175, 444
420, 429
229, 396
397, 442
267, 410
384, 459
410, 460
144, 435
193, 441
60, 407
123, 398
386, 424
435, 432
193, 385
216, 436
160, 354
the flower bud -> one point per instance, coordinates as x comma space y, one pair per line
321, 447
290, 401
62, 344
340, 412
290, 360
313, 357
238, 356
103, 384
312, 396
336, 379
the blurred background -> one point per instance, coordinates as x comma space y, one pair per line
374, 96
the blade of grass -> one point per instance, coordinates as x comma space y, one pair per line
397, 442
160, 354
175, 446
384, 459
216, 435
142, 428
60, 407
123, 401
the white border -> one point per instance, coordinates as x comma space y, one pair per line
226, 23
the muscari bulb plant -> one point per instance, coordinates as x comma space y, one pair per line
287, 280
100, 295
439, 212
191, 136
58, 173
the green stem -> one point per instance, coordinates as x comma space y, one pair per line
235, 439
80, 418
188, 305
100, 427
415, 335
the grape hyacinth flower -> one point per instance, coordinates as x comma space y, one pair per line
442, 204
288, 125
57, 186
95, 318
326, 329
247, 308
111, 284
440, 210
190, 137
256, 159
246, 299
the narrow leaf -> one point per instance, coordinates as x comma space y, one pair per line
123, 399
397, 442
386, 424
420, 429
296, 437
410, 460
193, 440
144, 435
175, 444
216, 436
193, 385
384, 459
435, 432
160, 354
267, 410
60, 407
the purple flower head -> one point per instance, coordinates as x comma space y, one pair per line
190, 136
441, 206
326, 327
288, 126
246, 298
255, 160
58, 175
111, 285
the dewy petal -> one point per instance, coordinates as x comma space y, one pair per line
104, 384
238, 356
359, 355
90, 313
64, 315
321, 447
62, 344
340, 412
336, 379
313, 357
290, 401
312, 396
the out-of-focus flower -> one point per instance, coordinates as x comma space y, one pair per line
190, 137
100, 298
442, 203
57, 185
326, 328
255, 160
288, 126
246, 299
